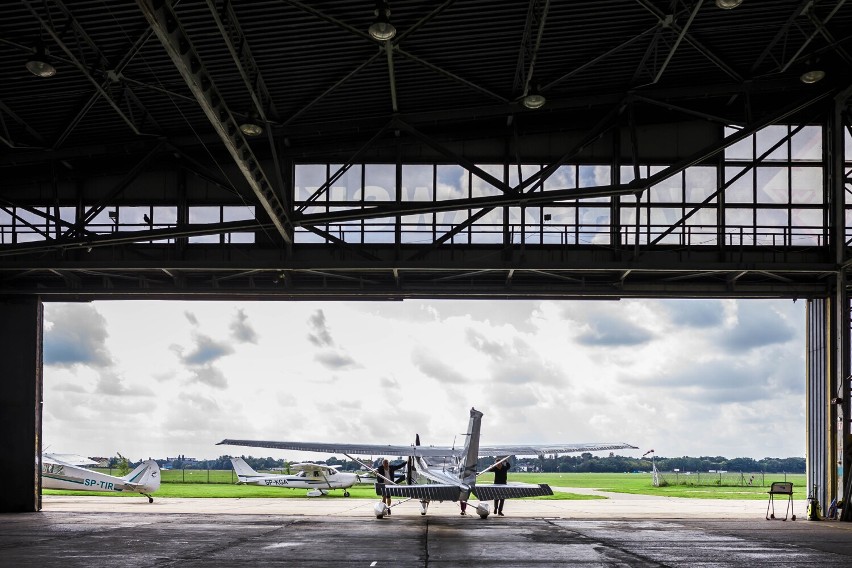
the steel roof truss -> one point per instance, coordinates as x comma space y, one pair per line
179, 47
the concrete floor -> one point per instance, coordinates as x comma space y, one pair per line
117, 532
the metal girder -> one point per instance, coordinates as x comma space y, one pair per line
179, 47
601, 57
450, 75
810, 38
680, 37
84, 68
692, 41
541, 18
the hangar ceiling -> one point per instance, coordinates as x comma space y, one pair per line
414, 166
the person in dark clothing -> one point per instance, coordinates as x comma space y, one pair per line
501, 473
387, 470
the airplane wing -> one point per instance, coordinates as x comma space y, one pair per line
343, 448
511, 491
311, 467
68, 459
549, 449
430, 492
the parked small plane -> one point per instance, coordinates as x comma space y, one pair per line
318, 479
66, 471
441, 473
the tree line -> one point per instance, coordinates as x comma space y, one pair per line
583, 463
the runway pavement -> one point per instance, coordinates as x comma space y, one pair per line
299, 532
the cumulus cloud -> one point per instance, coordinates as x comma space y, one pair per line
241, 330
335, 360
206, 350
694, 313
113, 385
68, 387
515, 361
434, 366
320, 335
389, 383
190, 317
76, 337
210, 376
608, 330
756, 326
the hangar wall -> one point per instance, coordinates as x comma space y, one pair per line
21, 403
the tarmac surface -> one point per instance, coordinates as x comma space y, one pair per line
624, 530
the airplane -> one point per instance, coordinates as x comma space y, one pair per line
317, 478
441, 473
67, 471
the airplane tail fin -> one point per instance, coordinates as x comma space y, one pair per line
470, 454
243, 469
145, 478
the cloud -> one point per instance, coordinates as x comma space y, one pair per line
112, 385
335, 360
190, 317
206, 350
607, 330
757, 326
77, 336
241, 330
433, 365
68, 387
210, 376
515, 362
389, 383
320, 337
694, 313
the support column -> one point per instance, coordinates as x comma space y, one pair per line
20, 404
820, 362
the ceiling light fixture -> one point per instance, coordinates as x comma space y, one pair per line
813, 71
381, 29
39, 65
812, 76
728, 4
533, 99
251, 126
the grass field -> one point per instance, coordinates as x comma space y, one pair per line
194, 483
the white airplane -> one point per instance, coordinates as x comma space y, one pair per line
318, 479
66, 471
442, 473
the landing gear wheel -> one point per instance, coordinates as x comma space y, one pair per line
793, 517
346, 494
150, 499
772, 516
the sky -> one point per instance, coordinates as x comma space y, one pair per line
683, 377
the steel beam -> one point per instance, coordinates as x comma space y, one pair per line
187, 61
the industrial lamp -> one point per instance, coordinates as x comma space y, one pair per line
39, 65
533, 99
812, 71
728, 4
251, 126
381, 29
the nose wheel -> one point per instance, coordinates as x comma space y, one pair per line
345, 493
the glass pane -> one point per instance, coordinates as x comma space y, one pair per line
806, 185
742, 150
237, 213
482, 188
806, 144
769, 136
417, 183
526, 171
772, 185
165, 215
347, 188
452, 183
379, 182
308, 177
203, 215
593, 176
771, 217
565, 177
741, 190
700, 183
669, 190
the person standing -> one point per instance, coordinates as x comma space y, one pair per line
386, 471
501, 473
